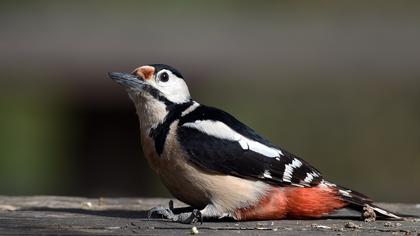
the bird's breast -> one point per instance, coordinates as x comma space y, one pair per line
195, 186
176, 174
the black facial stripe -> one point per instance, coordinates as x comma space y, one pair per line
160, 133
158, 95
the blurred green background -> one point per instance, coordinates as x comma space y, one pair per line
335, 82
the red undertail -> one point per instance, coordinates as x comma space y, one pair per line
293, 202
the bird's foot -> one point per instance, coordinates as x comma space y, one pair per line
164, 212
189, 218
167, 213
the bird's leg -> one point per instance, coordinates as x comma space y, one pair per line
209, 212
168, 213
189, 217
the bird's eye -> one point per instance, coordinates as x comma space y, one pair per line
164, 77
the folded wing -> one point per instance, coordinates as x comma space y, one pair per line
217, 142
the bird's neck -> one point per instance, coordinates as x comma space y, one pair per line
153, 113
150, 111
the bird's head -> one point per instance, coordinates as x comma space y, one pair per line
158, 81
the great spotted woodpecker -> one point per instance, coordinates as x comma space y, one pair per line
218, 165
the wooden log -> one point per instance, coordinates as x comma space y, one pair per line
52, 215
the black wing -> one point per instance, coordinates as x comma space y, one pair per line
227, 156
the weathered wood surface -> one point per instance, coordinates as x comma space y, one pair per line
49, 215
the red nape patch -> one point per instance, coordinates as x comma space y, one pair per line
312, 202
292, 202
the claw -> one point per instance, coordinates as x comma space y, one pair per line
171, 205
167, 213
190, 218
162, 211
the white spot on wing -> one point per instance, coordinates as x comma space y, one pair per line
288, 170
297, 185
220, 130
267, 174
327, 184
344, 193
309, 177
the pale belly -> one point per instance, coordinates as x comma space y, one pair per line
198, 187
177, 176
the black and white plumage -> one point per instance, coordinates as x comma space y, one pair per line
210, 160
217, 141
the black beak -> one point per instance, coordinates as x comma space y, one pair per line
127, 80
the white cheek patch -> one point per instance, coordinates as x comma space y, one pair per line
220, 130
175, 89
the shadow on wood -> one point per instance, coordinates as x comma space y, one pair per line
49, 215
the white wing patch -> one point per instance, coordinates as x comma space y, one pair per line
220, 130
288, 170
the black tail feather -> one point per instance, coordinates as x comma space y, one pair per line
360, 202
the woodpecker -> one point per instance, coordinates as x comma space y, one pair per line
221, 167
